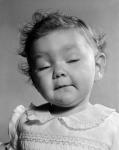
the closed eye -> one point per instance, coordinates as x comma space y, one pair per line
43, 68
73, 60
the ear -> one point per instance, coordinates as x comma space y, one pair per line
100, 62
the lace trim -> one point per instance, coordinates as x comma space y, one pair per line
88, 119
93, 117
81, 125
62, 140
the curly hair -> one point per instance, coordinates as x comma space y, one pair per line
43, 23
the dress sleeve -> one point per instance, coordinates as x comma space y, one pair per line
115, 143
13, 126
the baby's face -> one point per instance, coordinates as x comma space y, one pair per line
63, 67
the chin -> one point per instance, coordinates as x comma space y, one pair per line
65, 102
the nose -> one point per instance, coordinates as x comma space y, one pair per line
59, 72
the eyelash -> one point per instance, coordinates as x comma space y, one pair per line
43, 68
73, 61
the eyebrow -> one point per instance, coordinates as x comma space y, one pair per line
39, 55
69, 47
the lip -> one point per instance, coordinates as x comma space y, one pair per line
57, 87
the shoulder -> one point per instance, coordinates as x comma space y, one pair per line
33, 115
111, 117
113, 120
111, 113
17, 113
21, 113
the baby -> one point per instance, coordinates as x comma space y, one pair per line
65, 57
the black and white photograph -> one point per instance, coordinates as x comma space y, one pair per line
59, 74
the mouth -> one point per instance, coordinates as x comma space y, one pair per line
61, 86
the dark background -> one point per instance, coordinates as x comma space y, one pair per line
14, 89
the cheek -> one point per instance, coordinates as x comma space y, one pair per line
43, 82
88, 66
88, 73
83, 73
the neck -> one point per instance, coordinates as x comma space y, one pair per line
66, 111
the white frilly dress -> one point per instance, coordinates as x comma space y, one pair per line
34, 128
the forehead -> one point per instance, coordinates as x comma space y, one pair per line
62, 40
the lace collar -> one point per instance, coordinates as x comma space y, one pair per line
86, 119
